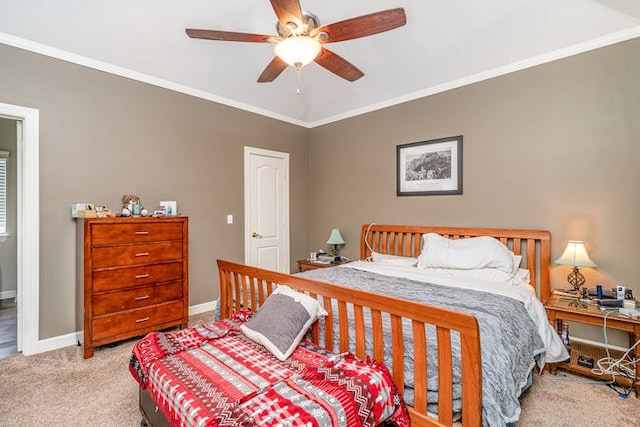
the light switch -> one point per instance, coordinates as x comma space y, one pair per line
229, 219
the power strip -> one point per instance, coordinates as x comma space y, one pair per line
631, 312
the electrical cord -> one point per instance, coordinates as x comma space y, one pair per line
623, 366
366, 242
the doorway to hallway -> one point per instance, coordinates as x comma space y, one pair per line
27, 225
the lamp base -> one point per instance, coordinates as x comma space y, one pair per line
576, 279
336, 254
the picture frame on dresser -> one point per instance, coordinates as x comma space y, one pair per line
169, 207
132, 277
430, 168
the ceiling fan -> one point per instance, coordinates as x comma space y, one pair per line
300, 38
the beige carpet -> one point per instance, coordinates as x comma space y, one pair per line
60, 388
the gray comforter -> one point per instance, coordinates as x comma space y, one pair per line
509, 340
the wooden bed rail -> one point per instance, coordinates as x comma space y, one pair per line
405, 240
245, 288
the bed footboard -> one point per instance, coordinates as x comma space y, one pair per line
245, 288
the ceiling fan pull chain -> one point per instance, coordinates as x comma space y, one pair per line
298, 79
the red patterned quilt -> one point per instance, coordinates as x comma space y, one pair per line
212, 375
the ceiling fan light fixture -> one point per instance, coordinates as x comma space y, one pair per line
298, 51
301, 39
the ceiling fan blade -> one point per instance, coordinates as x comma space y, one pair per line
362, 26
288, 11
338, 65
228, 36
273, 70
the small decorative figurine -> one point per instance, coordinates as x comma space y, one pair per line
132, 204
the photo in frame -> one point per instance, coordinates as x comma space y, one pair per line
170, 208
430, 168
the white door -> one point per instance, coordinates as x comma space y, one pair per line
266, 205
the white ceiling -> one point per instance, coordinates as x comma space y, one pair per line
445, 44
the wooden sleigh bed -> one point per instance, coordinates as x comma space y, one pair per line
369, 324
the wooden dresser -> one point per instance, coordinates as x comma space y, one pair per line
132, 277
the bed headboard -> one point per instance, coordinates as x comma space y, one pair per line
405, 240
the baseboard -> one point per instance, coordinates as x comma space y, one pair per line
66, 340
201, 308
55, 343
8, 294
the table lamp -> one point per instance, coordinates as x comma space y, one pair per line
576, 256
336, 239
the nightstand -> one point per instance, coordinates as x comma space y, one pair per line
305, 264
561, 308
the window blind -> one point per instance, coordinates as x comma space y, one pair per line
3, 194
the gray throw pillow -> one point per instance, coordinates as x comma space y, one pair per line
282, 321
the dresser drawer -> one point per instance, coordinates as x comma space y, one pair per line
123, 255
135, 232
127, 322
128, 277
111, 302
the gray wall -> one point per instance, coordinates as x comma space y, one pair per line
552, 147
9, 248
555, 147
103, 136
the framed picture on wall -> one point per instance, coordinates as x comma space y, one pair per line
430, 168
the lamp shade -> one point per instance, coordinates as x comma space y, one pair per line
576, 255
298, 51
336, 238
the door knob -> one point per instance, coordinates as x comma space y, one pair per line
256, 235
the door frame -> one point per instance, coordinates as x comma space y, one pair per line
28, 225
248, 151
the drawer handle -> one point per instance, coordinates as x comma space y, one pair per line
142, 276
143, 254
141, 233
141, 297
144, 319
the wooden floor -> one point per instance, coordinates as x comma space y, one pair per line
8, 327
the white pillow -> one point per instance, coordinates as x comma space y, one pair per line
386, 259
465, 254
491, 274
522, 277
282, 321
516, 263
